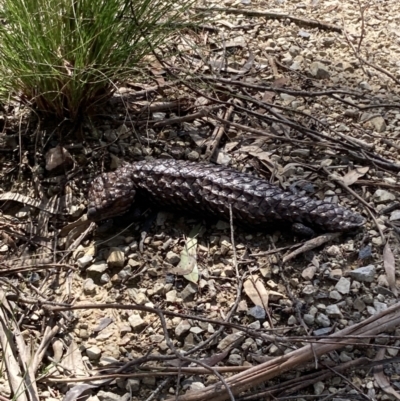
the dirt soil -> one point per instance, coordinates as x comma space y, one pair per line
173, 306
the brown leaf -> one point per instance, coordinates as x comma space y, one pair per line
380, 377
268, 96
8, 240
390, 268
255, 290
352, 176
281, 82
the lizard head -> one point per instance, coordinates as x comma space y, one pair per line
111, 194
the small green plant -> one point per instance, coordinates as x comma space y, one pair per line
65, 56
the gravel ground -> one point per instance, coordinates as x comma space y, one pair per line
311, 94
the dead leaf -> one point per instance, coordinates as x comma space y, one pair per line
281, 82
76, 392
262, 156
326, 162
211, 361
8, 240
380, 377
73, 360
255, 290
352, 176
187, 266
390, 268
268, 96
248, 65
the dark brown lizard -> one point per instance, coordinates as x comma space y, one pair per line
210, 189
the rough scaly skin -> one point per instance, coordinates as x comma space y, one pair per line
210, 189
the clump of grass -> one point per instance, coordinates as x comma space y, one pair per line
65, 56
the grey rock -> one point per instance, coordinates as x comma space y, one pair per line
96, 269
335, 295
158, 289
159, 116
84, 261
89, 287
322, 332
383, 196
345, 66
287, 98
395, 215
258, 312
83, 334
295, 66
319, 70
108, 360
196, 386
380, 306
124, 274
304, 34
193, 155
235, 360
196, 330
124, 328
294, 51
328, 41
365, 85
105, 278
381, 339
116, 258
133, 385
136, 322
292, 320
301, 152
188, 292
383, 290
172, 258
364, 274
256, 325
110, 135
333, 311
378, 123
58, 158
93, 352
319, 388
171, 296
343, 285
182, 328
308, 319
345, 357
309, 290
353, 113
359, 305
137, 296
149, 381
230, 339
322, 320
156, 338
368, 299
108, 396
189, 342
333, 250
336, 274
309, 272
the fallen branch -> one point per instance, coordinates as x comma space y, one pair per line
382, 322
271, 15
